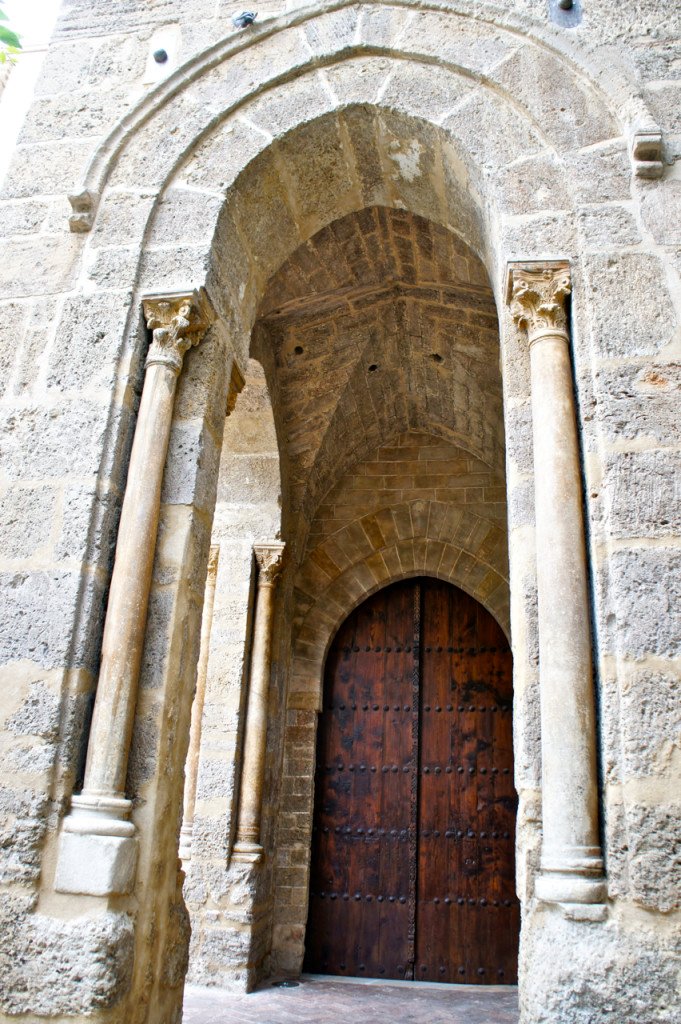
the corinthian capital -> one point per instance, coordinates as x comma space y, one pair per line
269, 556
536, 294
178, 323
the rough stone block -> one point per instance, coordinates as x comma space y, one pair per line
27, 515
661, 212
88, 342
644, 602
603, 227
71, 439
39, 267
643, 494
619, 325
185, 215
39, 613
639, 402
650, 716
91, 956
192, 455
655, 855
121, 217
22, 218
623, 975
45, 169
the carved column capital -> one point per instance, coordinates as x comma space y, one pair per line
178, 322
270, 557
536, 294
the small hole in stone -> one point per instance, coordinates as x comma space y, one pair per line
373, 367
298, 350
436, 357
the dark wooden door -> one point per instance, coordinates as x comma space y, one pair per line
412, 871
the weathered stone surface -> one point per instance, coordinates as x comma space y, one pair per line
639, 402
644, 588
651, 723
622, 976
84, 422
643, 494
621, 327
27, 515
88, 342
517, 151
88, 962
39, 612
655, 855
31, 268
22, 218
661, 212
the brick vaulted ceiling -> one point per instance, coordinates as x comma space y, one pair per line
382, 322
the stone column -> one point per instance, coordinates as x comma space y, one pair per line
192, 767
247, 846
571, 863
98, 850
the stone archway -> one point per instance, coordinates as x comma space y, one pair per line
441, 171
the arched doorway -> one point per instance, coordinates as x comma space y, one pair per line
412, 872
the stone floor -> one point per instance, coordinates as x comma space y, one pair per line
320, 1001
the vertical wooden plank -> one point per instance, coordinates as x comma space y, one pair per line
358, 921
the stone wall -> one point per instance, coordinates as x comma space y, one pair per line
524, 137
226, 904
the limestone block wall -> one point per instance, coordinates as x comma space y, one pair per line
530, 153
224, 901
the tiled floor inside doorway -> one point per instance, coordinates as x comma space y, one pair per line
325, 1001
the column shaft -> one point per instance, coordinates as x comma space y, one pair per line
97, 853
247, 846
126, 616
571, 861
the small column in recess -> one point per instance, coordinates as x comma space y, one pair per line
192, 768
247, 847
571, 861
98, 848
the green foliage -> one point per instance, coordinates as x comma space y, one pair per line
10, 43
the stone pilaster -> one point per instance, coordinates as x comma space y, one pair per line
98, 850
571, 863
192, 766
247, 846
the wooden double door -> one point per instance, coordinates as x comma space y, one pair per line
412, 872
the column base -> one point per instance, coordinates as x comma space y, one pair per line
247, 852
186, 837
97, 853
576, 877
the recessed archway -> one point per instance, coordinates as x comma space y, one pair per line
234, 197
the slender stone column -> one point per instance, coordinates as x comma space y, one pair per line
247, 846
571, 863
192, 768
98, 852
